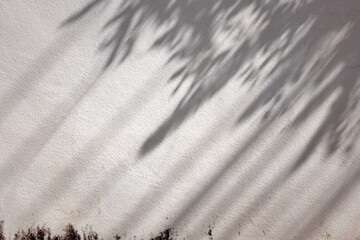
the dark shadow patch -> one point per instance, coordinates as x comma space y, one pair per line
76, 16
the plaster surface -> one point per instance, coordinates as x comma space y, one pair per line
219, 119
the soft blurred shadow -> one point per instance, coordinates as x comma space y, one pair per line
294, 56
296, 46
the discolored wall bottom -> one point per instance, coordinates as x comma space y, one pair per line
70, 233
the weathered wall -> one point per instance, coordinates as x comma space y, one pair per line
239, 117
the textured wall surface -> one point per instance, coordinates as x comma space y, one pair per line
219, 119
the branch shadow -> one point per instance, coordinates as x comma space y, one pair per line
301, 57
289, 32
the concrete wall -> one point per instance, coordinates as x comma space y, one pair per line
237, 116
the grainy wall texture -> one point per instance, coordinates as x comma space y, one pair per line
180, 119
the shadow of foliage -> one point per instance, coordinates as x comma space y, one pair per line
292, 51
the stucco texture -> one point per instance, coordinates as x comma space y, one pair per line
217, 119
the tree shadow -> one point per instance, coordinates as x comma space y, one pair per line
298, 57
294, 41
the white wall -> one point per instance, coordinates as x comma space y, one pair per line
259, 141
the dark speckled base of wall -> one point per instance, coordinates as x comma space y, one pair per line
69, 233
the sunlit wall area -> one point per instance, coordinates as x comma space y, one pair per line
181, 119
